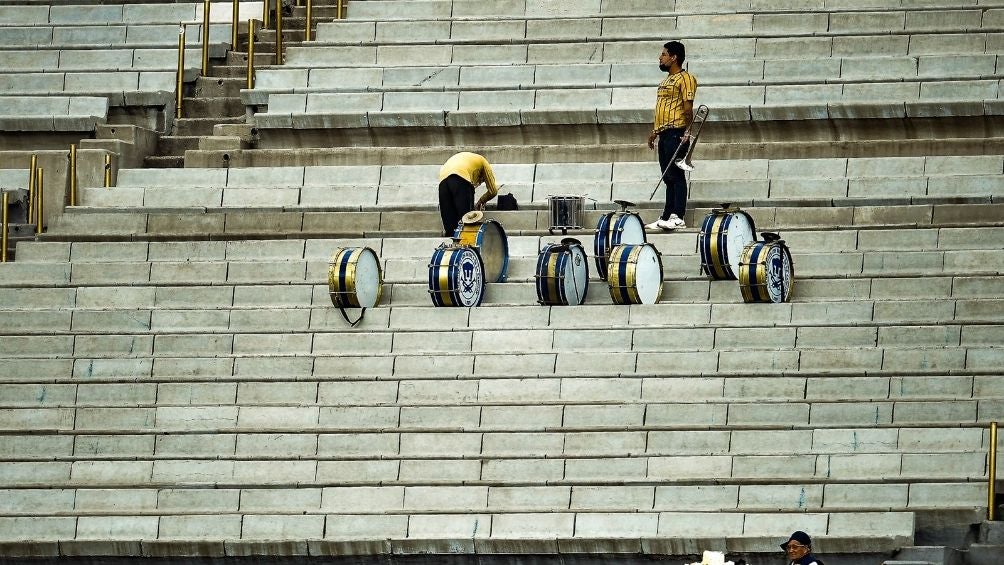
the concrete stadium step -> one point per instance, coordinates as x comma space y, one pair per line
501, 498
467, 354
460, 533
713, 73
106, 224
262, 295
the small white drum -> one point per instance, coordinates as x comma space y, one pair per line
489, 238
724, 234
354, 279
562, 273
766, 271
615, 228
635, 275
456, 276
565, 212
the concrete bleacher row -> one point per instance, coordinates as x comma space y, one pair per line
489, 25
592, 75
894, 10
175, 382
411, 186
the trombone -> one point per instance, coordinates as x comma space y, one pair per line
693, 132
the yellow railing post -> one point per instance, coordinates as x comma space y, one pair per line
205, 37
307, 34
992, 475
32, 165
180, 80
73, 174
3, 236
338, 10
234, 25
108, 171
266, 16
278, 32
251, 39
40, 212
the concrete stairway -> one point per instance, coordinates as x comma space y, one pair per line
175, 383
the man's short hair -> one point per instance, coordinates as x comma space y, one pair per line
676, 48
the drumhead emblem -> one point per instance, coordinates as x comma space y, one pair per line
470, 277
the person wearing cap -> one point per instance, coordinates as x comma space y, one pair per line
798, 548
458, 178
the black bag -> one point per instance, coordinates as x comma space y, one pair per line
507, 202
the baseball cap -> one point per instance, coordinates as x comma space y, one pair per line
799, 536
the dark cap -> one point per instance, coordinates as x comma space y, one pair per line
799, 536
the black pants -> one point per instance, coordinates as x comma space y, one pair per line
456, 198
674, 177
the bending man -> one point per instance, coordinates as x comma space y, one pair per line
458, 179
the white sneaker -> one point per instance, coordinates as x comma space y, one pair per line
676, 221
656, 225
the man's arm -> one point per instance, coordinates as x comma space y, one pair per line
688, 115
491, 189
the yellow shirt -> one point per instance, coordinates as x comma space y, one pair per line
474, 168
673, 92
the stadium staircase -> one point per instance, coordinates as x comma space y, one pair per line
175, 383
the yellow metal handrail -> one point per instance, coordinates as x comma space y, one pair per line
278, 32
73, 174
205, 37
40, 193
3, 236
251, 40
992, 474
338, 9
108, 171
180, 79
307, 34
234, 25
32, 165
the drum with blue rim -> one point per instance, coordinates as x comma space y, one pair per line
724, 233
354, 278
766, 271
456, 276
488, 236
562, 273
616, 228
635, 275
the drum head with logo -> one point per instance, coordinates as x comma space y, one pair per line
779, 273
456, 276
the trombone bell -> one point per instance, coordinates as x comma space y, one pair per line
685, 163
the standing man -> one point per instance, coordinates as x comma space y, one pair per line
798, 549
458, 178
674, 112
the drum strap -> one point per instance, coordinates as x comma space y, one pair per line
362, 312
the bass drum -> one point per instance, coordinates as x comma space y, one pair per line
456, 276
635, 275
766, 271
724, 233
615, 228
354, 278
562, 274
489, 238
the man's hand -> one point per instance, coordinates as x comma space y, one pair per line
480, 206
651, 140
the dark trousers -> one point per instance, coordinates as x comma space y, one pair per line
456, 198
674, 177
